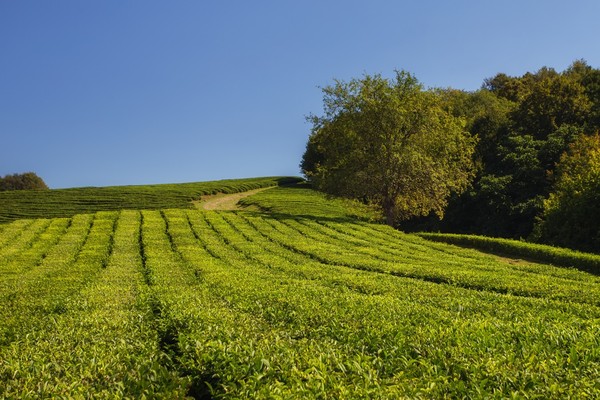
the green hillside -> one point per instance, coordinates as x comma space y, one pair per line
68, 202
296, 296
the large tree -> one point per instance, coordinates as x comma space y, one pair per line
391, 143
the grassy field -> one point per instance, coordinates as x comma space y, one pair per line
297, 296
69, 202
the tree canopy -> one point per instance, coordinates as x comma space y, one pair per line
571, 214
524, 125
26, 181
391, 143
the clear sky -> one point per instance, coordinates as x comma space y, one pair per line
107, 92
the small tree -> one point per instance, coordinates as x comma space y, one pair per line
389, 143
26, 181
572, 212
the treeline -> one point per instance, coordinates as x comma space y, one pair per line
537, 157
519, 158
26, 181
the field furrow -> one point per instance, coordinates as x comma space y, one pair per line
48, 289
211, 341
102, 342
383, 235
24, 239
10, 231
457, 258
485, 273
21, 262
362, 281
240, 223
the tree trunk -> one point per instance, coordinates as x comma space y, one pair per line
388, 210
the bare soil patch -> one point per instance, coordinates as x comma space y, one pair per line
222, 201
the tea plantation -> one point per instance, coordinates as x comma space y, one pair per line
68, 202
297, 296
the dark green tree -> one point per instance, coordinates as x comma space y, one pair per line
551, 101
589, 78
524, 124
571, 214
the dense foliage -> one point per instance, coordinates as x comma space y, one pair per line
26, 181
389, 143
253, 305
69, 202
572, 213
524, 125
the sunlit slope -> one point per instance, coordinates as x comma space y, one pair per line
289, 304
299, 200
68, 202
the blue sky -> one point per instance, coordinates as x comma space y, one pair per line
107, 92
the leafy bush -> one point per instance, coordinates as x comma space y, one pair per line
26, 181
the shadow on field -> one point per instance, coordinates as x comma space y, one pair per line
564, 258
285, 216
589, 263
202, 386
293, 183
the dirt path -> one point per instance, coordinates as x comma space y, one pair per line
225, 201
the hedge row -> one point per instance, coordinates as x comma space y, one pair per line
538, 252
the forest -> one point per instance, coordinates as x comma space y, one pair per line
536, 157
535, 131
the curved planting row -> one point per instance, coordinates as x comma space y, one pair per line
178, 303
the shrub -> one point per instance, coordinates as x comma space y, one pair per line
26, 181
